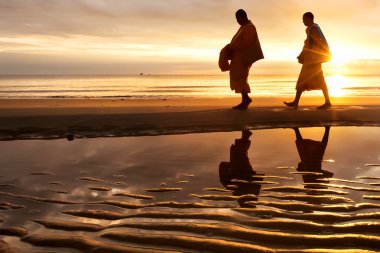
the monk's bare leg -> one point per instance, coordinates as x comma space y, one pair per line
294, 104
327, 103
245, 134
246, 100
298, 134
239, 106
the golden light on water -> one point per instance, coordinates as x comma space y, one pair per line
342, 57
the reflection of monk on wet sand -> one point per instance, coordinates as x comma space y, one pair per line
240, 168
311, 153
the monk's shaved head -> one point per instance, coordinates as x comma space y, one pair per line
241, 17
308, 18
241, 13
309, 15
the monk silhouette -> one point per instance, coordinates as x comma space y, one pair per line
311, 153
239, 168
315, 52
243, 51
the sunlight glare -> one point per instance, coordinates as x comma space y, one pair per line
340, 57
336, 84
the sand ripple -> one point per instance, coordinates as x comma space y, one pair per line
187, 242
258, 236
163, 189
82, 244
134, 196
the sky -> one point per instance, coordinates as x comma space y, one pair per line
74, 37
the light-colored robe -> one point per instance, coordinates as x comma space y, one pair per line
311, 153
246, 50
314, 53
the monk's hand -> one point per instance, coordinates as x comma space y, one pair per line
229, 52
300, 58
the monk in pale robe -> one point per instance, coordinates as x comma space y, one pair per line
315, 52
311, 153
243, 51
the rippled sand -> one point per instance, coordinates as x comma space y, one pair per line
217, 192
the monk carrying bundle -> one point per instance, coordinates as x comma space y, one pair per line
238, 57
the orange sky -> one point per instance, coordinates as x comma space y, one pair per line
177, 36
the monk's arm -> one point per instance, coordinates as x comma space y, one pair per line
245, 39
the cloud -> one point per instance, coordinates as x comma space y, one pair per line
167, 29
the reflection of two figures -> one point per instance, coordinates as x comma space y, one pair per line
311, 153
237, 175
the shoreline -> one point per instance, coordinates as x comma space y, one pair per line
55, 119
70, 105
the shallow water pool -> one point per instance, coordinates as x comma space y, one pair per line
251, 191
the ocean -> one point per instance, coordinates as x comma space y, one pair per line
167, 86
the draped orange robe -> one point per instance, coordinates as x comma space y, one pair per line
311, 76
246, 50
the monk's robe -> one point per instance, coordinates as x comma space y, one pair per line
224, 63
311, 153
315, 52
246, 50
239, 168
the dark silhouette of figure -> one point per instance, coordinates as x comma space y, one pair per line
315, 52
243, 51
70, 136
240, 169
311, 153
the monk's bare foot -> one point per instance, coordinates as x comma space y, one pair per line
238, 107
325, 106
292, 105
246, 104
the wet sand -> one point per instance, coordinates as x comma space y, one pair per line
57, 118
162, 192
122, 106
178, 193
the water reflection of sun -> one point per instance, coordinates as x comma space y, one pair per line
337, 84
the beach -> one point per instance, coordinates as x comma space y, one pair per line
55, 118
182, 126
174, 175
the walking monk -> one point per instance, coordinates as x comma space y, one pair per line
243, 51
315, 52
